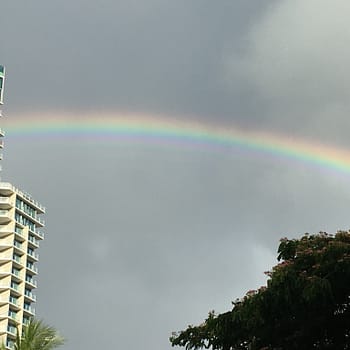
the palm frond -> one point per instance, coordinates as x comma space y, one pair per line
38, 336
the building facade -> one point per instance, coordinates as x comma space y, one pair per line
20, 234
2, 81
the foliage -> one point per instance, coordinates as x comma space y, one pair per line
305, 305
38, 336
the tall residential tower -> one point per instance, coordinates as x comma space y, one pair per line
19, 239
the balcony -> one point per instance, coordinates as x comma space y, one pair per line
32, 268
29, 309
15, 289
28, 198
10, 344
4, 216
4, 246
12, 315
32, 283
4, 258
14, 303
4, 273
5, 232
34, 256
16, 258
32, 240
3, 302
33, 218
6, 203
12, 329
19, 247
16, 275
6, 188
19, 231
17, 261
30, 296
3, 287
37, 233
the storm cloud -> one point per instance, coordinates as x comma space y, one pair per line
142, 239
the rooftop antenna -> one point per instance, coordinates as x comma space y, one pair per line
2, 83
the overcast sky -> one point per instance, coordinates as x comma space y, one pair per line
142, 240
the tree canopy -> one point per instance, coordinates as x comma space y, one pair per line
305, 304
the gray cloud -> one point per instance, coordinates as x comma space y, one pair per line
296, 62
155, 56
153, 239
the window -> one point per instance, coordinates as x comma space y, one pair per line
17, 244
18, 230
16, 257
15, 271
14, 285
11, 329
13, 299
25, 221
12, 314
25, 207
10, 343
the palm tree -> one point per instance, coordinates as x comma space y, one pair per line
38, 336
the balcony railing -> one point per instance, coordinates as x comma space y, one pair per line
13, 301
31, 281
37, 232
10, 344
5, 200
18, 245
16, 272
19, 230
32, 268
4, 257
33, 255
12, 315
17, 258
11, 329
25, 195
29, 198
29, 309
33, 240
30, 295
15, 286
30, 215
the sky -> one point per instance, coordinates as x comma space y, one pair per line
142, 237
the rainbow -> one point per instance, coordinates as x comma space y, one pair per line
159, 129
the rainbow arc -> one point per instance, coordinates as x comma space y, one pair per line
145, 128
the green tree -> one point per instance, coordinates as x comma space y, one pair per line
38, 336
305, 305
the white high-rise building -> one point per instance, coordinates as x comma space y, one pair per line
20, 234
